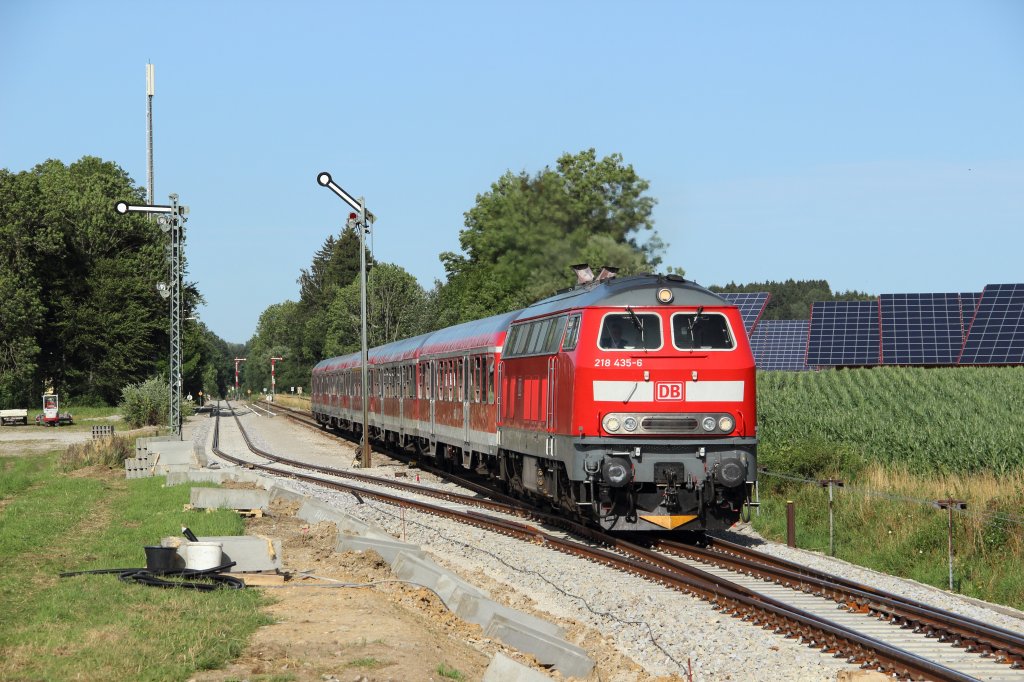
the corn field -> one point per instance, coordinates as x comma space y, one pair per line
948, 419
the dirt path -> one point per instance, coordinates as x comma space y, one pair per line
384, 631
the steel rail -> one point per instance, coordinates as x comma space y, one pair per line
1006, 646
730, 598
974, 636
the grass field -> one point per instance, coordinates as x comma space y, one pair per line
96, 627
901, 439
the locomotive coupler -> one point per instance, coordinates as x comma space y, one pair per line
670, 499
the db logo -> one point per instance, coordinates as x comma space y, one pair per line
668, 390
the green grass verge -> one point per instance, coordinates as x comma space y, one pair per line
900, 437
96, 627
900, 538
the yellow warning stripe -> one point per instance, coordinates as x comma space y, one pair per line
669, 522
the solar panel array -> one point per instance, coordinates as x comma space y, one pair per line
751, 306
843, 334
968, 308
996, 334
780, 345
920, 329
926, 329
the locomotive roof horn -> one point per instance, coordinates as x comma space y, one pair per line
584, 275
607, 272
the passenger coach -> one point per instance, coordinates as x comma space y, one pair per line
628, 403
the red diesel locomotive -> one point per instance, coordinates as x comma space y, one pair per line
625, 402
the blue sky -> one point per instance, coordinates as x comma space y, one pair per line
878, 145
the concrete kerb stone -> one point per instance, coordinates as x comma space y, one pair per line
314, 511
504, 669
170, 456
388, 549
142, 444
521, 630
212, 476
229, 498
482, 610
199, 455
251, 554
283, 492
566, 658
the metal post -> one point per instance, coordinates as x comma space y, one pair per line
362, 332
150, 89
949, 537
237, 360
175, 379
831, 532
361, 220
172, 220
950, 504
790, 523
273, 379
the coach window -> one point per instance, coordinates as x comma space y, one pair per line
450, 379
706, 331
630, 331
460, 378
490, 379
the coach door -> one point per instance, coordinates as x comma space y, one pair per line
552, 387
465, 384
432, 393
401, 390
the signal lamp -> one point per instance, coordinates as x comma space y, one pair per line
611, 424
726, 424
629, 423
708, 423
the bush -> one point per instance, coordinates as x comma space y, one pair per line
149, 403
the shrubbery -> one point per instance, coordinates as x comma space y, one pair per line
148, 404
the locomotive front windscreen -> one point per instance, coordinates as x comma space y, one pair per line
705, 330
630, 331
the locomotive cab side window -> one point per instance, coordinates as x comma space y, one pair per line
630, 331
701, 330
572, 333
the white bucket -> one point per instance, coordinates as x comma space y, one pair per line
200, 556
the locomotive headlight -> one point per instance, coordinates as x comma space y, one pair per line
629, 423
726, 423
611, 423
708, 423
665, 296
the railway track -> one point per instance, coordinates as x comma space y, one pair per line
875, 629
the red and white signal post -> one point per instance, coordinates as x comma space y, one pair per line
273, 378
237, 360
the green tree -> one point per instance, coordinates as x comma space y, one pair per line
278, 334
522, 235
90, 272
19, 351
335, 265
792, 299
397, 308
